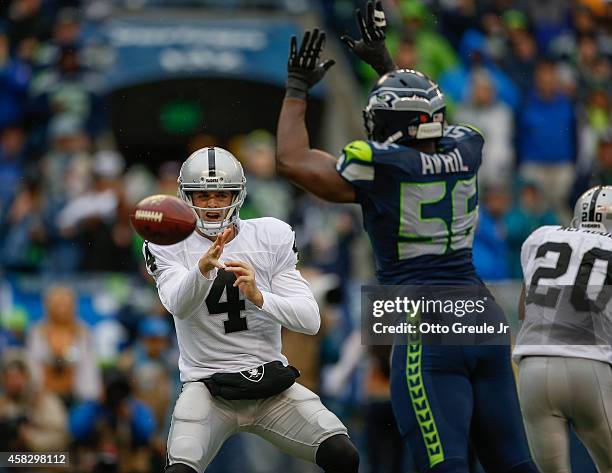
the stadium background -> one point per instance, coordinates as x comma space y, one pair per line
101, 100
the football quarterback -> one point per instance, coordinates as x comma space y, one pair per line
231, 286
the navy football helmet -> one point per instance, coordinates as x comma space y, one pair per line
404, 105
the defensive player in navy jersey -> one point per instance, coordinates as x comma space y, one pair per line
415, 179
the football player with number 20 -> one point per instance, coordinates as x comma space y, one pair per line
231, 286
563, 349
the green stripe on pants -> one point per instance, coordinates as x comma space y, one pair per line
420, 403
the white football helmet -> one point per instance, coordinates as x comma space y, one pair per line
593, 210
213, 169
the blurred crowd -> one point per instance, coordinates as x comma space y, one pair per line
57, 395
535, 77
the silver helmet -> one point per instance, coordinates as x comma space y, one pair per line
213, 169
593, 210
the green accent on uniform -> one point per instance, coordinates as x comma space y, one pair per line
359, 150
418, 398
409, 237
472, 127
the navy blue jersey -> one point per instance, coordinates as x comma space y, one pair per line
419, 209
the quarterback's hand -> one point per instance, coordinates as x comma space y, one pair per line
210, 259
371, 47
303, 68
245, 281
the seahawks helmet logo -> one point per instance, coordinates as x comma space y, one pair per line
409, 100
386, 98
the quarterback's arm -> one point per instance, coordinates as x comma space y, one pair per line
182, 291
291, 303
290, 300
311, 169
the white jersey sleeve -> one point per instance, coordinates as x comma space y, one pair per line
182, 291
290, 301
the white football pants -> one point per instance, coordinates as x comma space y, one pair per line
557, 391
295, 421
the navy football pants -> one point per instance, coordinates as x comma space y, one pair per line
446, 397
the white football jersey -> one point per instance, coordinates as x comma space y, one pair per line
568, 288
218, 330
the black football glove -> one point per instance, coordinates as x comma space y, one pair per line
304, 69
371, 47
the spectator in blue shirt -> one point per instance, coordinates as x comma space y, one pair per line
117, 428
546, 134
529, 213
14, 82
12, 155
456, 82
490, 248
117, 406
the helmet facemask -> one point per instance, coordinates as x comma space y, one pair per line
208, 170
231, 212
390, 126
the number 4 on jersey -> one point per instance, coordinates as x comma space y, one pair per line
224, 282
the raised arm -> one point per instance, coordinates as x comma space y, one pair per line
311, 169
371, 48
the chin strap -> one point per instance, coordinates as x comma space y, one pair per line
213, 228
393, 138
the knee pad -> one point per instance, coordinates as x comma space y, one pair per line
184, 450
179, 468
337, 454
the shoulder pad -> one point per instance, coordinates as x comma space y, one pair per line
540, 233
359, 150
271, 231
462, 131
473, 128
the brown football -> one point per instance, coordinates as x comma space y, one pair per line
163, 219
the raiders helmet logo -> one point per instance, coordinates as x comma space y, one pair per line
254, 374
